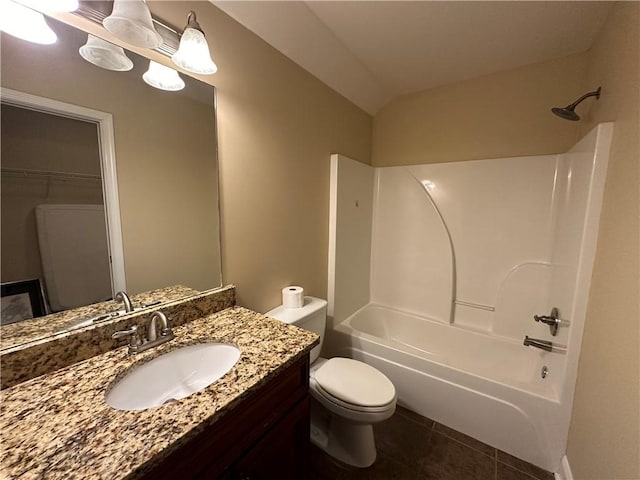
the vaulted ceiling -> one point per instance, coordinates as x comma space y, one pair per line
373, 51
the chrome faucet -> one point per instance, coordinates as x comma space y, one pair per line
543, 345
140, 344
164, 326
122, 296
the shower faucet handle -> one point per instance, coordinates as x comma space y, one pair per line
552, 320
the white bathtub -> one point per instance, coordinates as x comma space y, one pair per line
485, 386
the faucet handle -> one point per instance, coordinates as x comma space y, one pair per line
551, 320
132, 332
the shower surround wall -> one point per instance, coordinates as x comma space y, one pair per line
462, 255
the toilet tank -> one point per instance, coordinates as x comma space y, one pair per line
311, 316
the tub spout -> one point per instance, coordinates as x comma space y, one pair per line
535, 342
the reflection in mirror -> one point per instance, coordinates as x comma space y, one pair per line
53, 217
165, 154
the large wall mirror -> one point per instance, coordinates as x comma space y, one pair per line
54, 172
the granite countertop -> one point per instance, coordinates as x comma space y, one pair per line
59, 426
41, 327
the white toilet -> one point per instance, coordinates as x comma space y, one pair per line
349, 395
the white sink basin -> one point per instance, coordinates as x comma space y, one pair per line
173, 376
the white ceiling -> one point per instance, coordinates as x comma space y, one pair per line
373, 51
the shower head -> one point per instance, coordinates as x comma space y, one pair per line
568, 112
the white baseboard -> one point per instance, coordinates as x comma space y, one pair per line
565, 470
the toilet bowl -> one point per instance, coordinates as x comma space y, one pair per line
348, 395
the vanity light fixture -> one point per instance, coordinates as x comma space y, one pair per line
193, 53
24, 23
105, 55
131, 22
162, 77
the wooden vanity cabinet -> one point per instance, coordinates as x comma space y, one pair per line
278, 454
265, 436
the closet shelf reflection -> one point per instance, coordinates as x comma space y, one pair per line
18, 172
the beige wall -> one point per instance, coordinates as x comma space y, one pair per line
499, 115
278, 126
604, 439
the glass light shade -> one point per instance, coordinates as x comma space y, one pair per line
52, 5
24, 23
193, 53
130, 21
106, 55
162, 77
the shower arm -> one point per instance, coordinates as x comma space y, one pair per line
595, 93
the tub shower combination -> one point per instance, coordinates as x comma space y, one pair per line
466, 284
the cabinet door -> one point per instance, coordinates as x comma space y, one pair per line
283, 453
213, 452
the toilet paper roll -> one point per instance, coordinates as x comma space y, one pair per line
293, 297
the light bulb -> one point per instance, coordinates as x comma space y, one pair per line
25, 23
131, 22
193, 53
164, 78
51, 5
105, 55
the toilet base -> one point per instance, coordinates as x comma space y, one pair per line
346, 441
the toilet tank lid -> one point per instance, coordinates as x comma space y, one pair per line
293, 315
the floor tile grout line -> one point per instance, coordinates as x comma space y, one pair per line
415, 421
465, 444
495, 453
431, 429
535, 477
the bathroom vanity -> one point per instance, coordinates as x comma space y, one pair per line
251, 423
265, 436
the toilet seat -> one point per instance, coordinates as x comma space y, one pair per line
354, 385
325, 397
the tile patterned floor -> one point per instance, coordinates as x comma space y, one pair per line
414, 447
